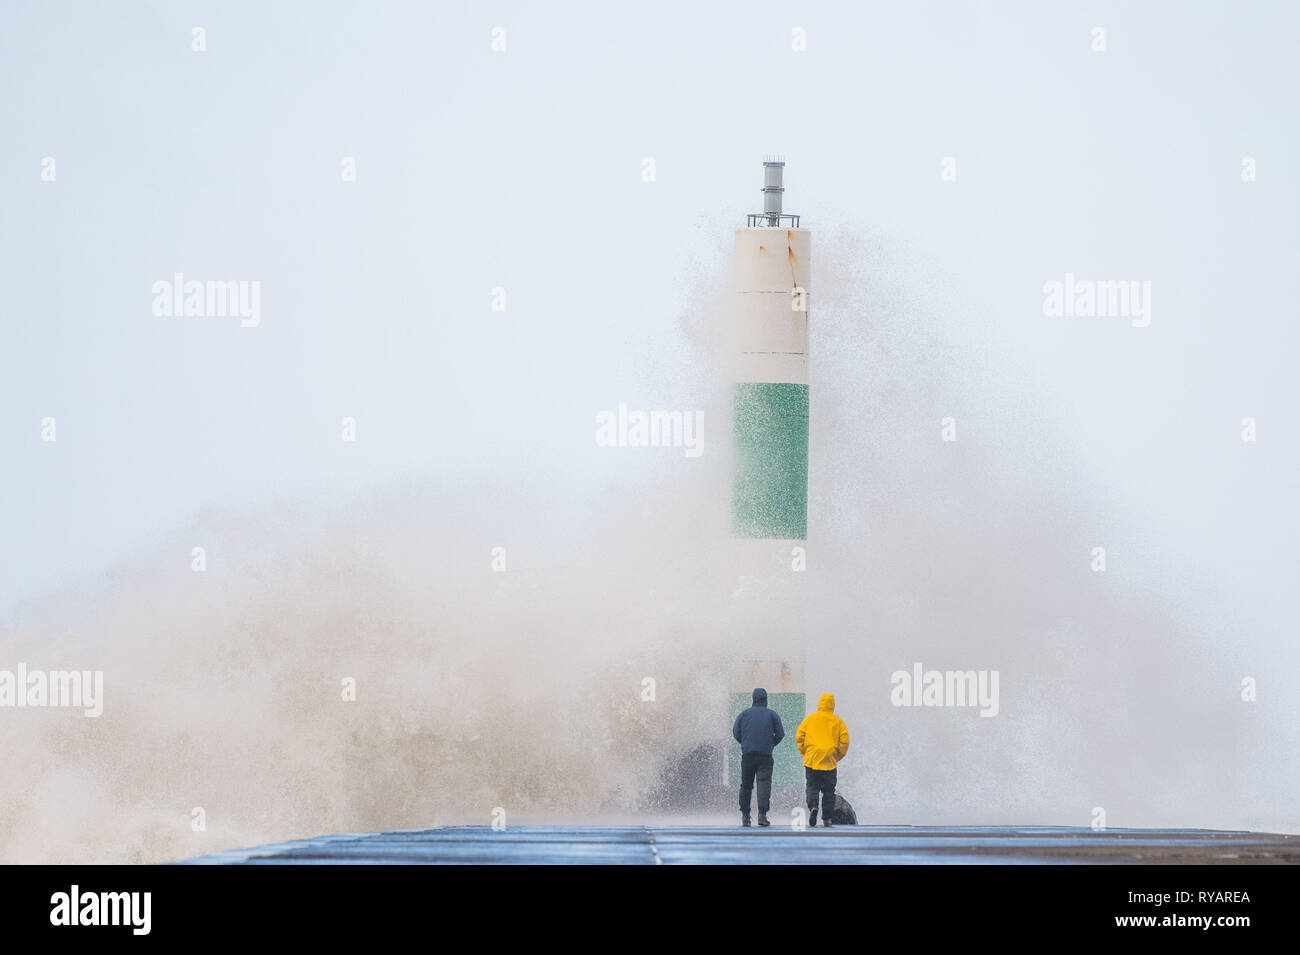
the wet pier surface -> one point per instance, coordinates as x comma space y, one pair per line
704, 845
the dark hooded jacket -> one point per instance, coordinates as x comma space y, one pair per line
758, 729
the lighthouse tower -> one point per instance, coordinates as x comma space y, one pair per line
770, 446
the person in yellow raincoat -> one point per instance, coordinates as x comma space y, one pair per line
823, 740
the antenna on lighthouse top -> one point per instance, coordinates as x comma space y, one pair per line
773, 188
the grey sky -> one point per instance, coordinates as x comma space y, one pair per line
523, 170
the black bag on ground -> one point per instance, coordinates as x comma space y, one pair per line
843, 814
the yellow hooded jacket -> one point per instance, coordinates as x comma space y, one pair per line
822, 737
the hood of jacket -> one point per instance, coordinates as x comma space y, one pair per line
760, 696
822, 737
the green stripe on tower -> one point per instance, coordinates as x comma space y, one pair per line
770, 495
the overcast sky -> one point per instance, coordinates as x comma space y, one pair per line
523, 169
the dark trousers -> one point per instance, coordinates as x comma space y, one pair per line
819, 781
755, 766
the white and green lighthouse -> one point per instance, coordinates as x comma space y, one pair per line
770, 446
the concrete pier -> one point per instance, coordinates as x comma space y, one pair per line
886, 845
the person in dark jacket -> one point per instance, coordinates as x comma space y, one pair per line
757, 730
